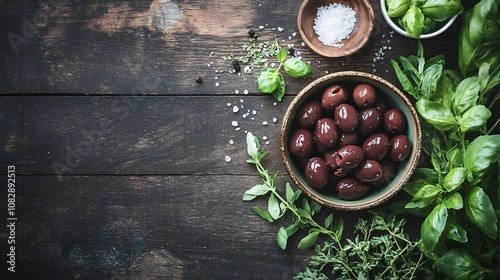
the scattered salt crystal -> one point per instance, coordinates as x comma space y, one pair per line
236, 91
241, 100
216, 84
244, 116
265, 123
235, 109
254, 112
261, 27
334, 23
280, 29
216, 78
275, 120
294, 34
234, 123
229, 104
275, 103
264, 138
237, 129
245, 92
231, 142
227, 158
267, 142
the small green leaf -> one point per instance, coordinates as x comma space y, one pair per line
297, 68
466, 95
263, 213
481, 213
280, 91
474, 118
413, 21
482, 152
459, 264
308, 241
273, 207
306, 206
425, 196
291, 229
252, 146
454, 201
454, 179
255, 191
433, 226
430, 79
282, 238
329, 221
281, 56
454, 231
315, 207
436, 114
289, 193
268, 80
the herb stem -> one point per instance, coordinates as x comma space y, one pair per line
493, 127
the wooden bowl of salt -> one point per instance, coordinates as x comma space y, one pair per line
335, 28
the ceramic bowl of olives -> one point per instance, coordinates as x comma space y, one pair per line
350, 140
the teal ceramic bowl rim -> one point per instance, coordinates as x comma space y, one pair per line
395, 98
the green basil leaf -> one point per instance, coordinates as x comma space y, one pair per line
273, 207
479, 34
466, 95
281, 56
459, 264
263, 213
454, 179
308, 241
405, 82
433, 226
268, 80
480, 153
453, 201
396, 8
280, 91
430, 80
282, 238
441, 10
436, 114
315, 207
255, 191
291, 229
306, 206
481, 213
413, 21
474, 118
289, 193
425, 196
429, 25
454, 157
253, 145
329, 222
297, 68
454, 231
421, 176
296, 195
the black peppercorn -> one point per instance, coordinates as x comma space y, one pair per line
251, 33
291, 51
198, 79
236, 65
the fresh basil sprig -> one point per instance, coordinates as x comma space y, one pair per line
271, 81
459, 195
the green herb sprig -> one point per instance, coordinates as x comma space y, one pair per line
271, 81
380, 250
302, 217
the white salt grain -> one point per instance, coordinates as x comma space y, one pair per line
235, 109
234, 123
334, 23
227, 158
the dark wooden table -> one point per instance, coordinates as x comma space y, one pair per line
120, 155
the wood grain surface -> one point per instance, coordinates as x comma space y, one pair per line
120, 154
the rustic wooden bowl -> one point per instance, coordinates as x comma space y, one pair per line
394, 98
357, 39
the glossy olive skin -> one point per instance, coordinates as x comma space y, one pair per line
330, 159
370, 120
351, 189
348, 138
309, 113
333, 96
400, 148
301, 143
369, 171
364, 95
388, 173
346, 117
316, 173
376, 146
349, 156
394, 121
326, 132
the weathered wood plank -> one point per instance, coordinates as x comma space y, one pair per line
136, 135
162, 227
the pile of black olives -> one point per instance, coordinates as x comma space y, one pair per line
349, 141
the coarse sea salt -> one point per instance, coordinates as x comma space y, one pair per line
334, 23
